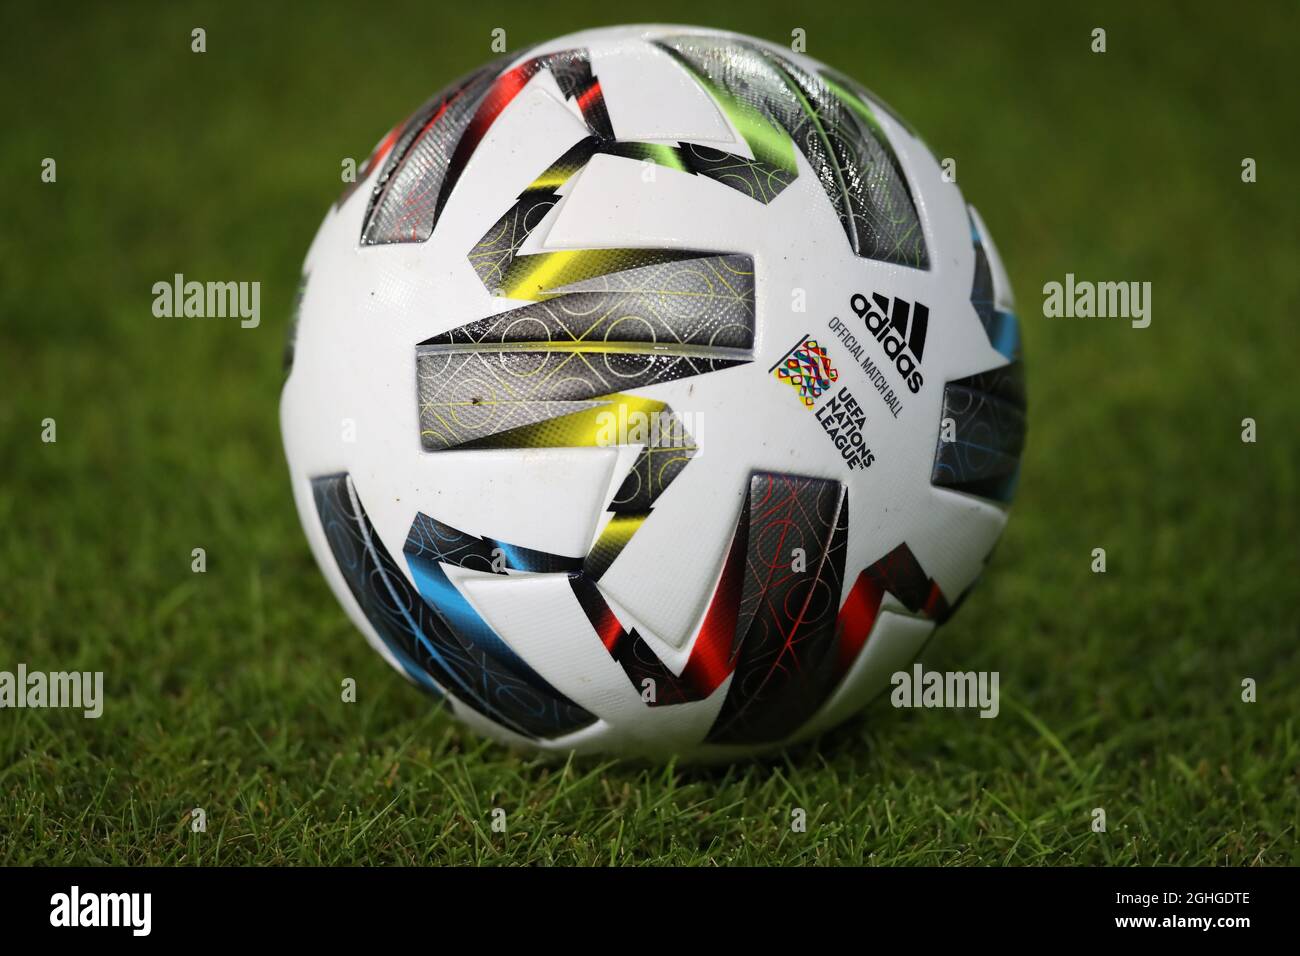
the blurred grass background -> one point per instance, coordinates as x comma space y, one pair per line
1120, 691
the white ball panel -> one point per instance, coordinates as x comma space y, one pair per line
894, 642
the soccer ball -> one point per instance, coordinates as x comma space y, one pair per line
652, 391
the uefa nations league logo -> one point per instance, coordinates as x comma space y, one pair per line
807, 369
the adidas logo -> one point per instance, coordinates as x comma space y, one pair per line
899, 326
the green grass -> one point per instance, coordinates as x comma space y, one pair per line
1120, 691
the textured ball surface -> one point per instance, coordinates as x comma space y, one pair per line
652, 391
